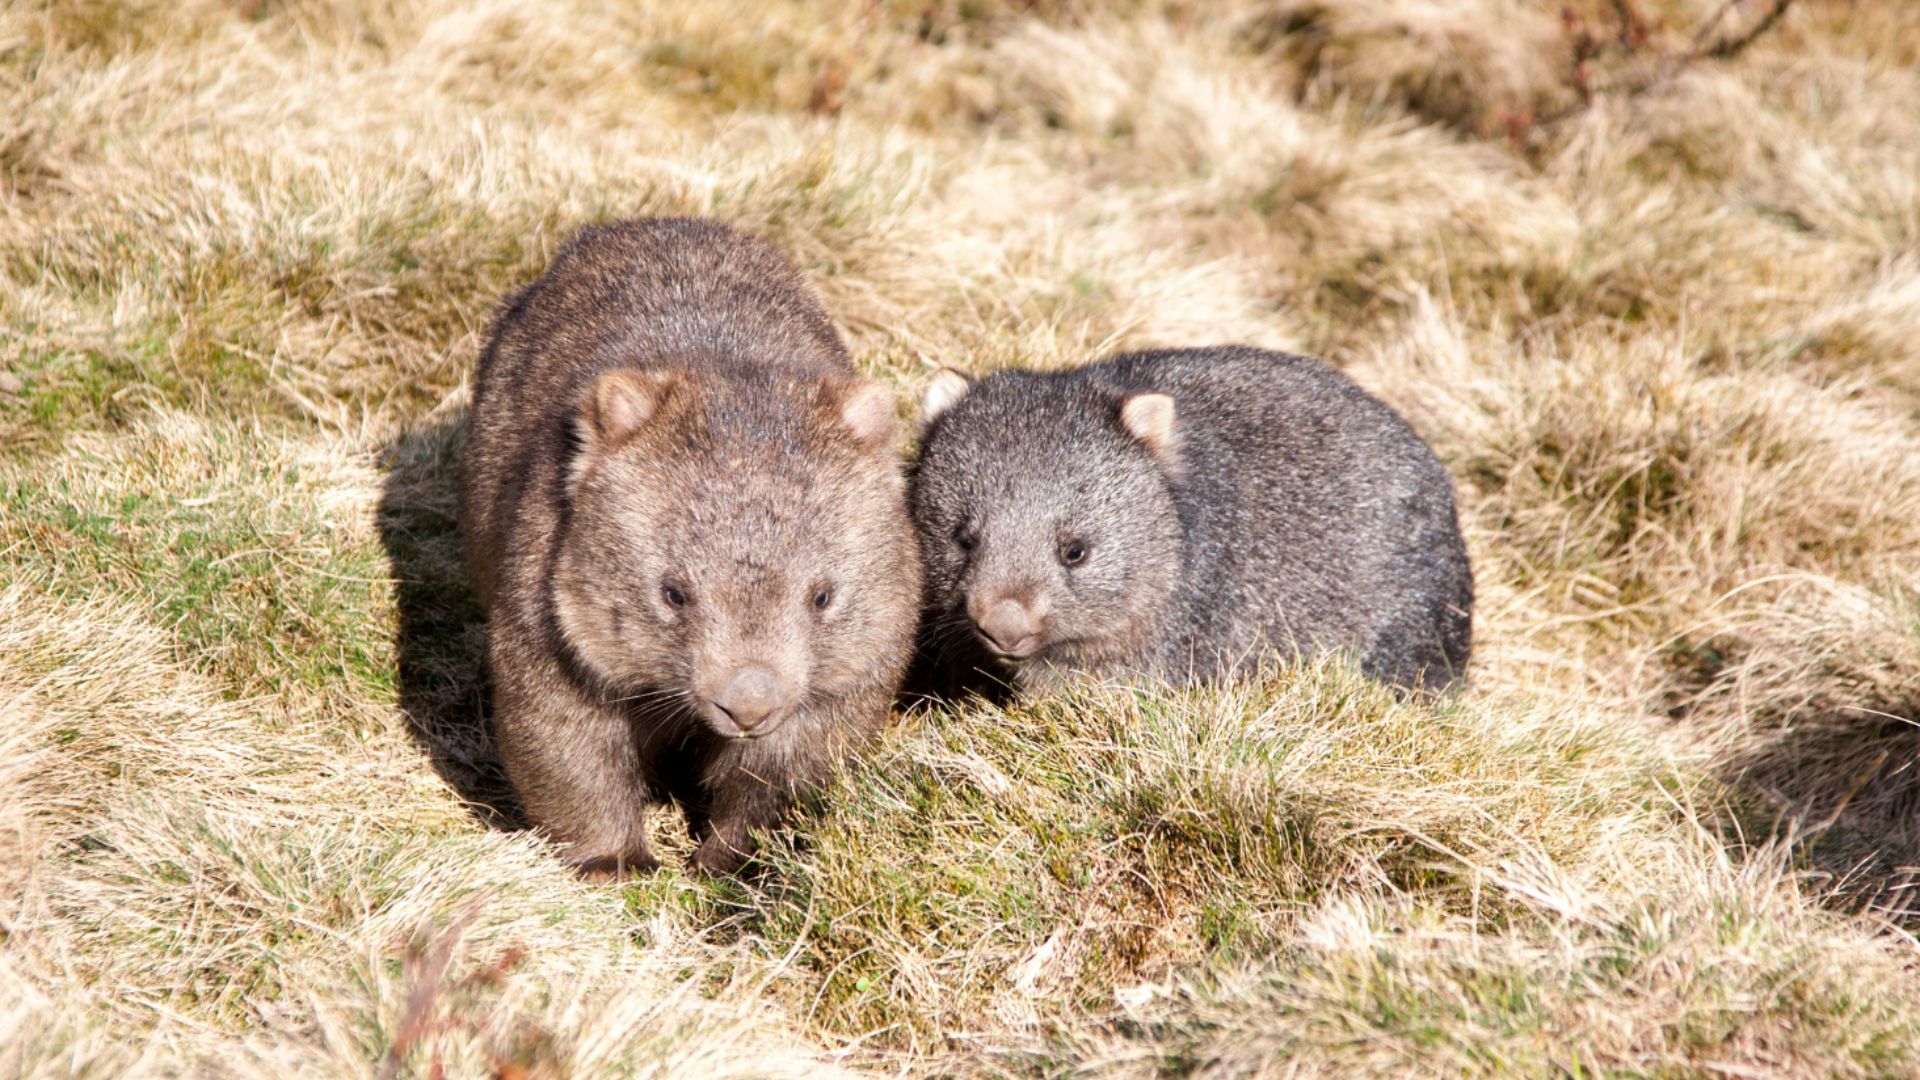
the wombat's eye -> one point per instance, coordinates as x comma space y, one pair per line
965, 537
1073, 552
822, 598
674, 597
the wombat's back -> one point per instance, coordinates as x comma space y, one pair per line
679, 292
1314, 514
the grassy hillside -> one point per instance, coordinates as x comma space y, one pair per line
1647, 275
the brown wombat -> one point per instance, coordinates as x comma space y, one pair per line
684, 513
1180, 512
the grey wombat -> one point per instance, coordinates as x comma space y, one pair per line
1177, 512
685, 515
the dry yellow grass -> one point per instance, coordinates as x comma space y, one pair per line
1659, 318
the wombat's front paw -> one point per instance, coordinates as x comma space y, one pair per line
616, 867
720, 855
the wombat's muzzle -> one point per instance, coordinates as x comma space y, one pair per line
751, 701
1009, 627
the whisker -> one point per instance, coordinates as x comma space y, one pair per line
653, 696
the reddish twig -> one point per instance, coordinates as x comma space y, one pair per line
1733, 46
427, 967
1635, 31
1635, 34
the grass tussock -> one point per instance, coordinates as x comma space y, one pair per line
1654, 301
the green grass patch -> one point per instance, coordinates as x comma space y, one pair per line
265, 592
65, 390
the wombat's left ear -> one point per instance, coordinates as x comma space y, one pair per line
621, 402
1149, 418
868, 410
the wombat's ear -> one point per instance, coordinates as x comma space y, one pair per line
1149, 418
868, 410
620, 403
946, 389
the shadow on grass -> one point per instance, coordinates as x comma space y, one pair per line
1845, 784
441, 642
1839, 781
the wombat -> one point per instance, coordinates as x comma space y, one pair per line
686, 517
1176, 513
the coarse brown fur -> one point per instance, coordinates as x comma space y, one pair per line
684, 513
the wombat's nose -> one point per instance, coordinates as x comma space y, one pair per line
749, 697
1010, 627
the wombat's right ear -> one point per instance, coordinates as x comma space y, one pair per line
620, 403
868, 411
946, 389
1150, 418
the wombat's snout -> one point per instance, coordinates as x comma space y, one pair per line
1008, 625
752, 699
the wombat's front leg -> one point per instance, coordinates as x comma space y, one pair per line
740, 808
576, 769
752, 785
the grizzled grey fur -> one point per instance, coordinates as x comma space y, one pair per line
1179, 512
685, 514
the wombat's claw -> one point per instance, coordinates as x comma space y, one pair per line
608, 868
